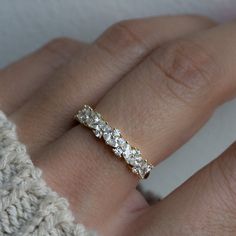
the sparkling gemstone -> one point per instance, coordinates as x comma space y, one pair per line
118, 151
100, 124
116, 133
105, 128
84, 114
146, 168
107, 136
81, 117
96, 118
136, 152
135, 161
135, 157
122, 143
111, 136
143, 170
92, 120
97, 133
127, 152
112, 141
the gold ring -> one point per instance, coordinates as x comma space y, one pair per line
112, 137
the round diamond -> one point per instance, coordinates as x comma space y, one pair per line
136, 152
111, 137
107, 136
93, 120
118, 151
135, 161
112, 142
105, 128
84, 114
136, 158
127, 152
80, 117
143, 170
116, 133
97, 133
122, 143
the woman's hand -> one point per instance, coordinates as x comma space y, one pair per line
158, 80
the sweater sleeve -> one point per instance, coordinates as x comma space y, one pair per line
27, 205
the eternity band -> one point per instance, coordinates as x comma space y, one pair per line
112, 137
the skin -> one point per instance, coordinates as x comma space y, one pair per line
158, 80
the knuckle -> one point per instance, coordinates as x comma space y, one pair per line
61, 48
121, 36
188, 69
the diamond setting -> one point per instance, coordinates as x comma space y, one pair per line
112, 137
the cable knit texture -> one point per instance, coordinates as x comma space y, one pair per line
27, 205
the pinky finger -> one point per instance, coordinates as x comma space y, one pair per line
205, 205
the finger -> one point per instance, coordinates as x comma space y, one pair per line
111, 176
204, 205
184, 82
27, 75
87, 78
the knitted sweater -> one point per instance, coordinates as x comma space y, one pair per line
27, 205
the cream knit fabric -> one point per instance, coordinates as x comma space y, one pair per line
27, 205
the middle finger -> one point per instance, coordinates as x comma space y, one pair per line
87, 77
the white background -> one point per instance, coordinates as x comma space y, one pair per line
27, 24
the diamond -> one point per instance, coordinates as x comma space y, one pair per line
81, 117
127, 151
107, 135
146, 168
97, 133
118, 151
136, 158
93, 120
136, 152
122, 143
106, 132
124, 148
105, 128
111, 136
135, 161
116, 133
84, 114
143, 170
112, 142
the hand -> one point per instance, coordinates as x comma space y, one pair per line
158, 80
